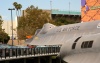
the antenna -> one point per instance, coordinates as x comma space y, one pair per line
69, 8
51, 8
51, 5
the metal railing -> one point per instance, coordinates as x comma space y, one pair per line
8, 53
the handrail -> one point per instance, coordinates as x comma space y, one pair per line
14, 53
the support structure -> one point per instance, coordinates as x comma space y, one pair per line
11, 22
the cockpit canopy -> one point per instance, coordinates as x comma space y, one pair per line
47, 27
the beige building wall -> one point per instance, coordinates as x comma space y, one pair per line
7, 26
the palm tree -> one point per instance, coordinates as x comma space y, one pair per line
15, 5
18, 8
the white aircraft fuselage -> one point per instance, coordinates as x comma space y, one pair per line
53, 35
80, 42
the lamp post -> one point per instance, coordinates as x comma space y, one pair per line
11, 22
69, 8
51, 8
51, 5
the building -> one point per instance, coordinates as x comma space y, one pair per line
90, 10
72, 15
7, 27
55, 13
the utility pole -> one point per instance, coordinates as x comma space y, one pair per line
69, 8
51, 8
51, 5
11, 9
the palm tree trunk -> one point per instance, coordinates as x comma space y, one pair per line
20, 12
16, 12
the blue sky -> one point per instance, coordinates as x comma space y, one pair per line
75, 5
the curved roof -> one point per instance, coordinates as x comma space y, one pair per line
66, 12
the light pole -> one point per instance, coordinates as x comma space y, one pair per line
51, 8
51, 5
12, 22
69, 8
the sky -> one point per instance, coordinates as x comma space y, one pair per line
75, 5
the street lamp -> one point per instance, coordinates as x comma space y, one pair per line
12, 22
51, 8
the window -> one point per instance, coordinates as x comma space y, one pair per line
77, 39
90, 44
82, 46
73, 46
87, 44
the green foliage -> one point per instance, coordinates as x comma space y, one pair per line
17, 7
33, 20
64, 21
4, 38
1, 21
